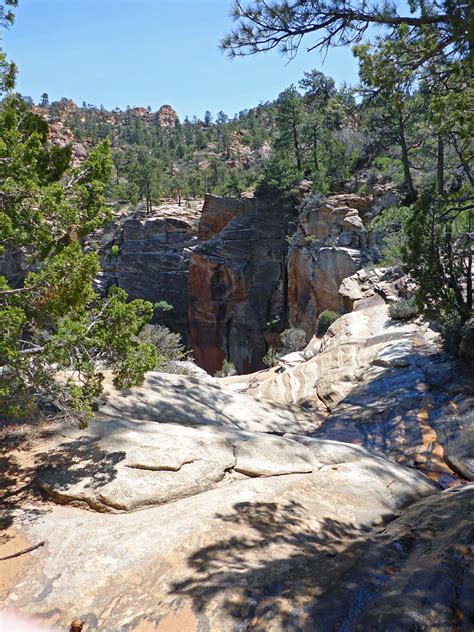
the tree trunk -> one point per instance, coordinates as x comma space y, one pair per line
440, 170
412, 194
296, 143
315, 150
469, 267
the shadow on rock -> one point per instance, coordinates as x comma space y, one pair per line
74, 462
413, 574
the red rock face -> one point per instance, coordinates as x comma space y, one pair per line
217, 213
237, 282
217, 293
142, 113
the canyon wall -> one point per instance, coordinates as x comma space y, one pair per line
330, 244
237, 281
152, 262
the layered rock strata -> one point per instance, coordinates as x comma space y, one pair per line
237, 281
329, 245
152, 263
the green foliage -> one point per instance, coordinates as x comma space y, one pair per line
167, 344
325, 320
388, 229
55, 330
115, 251
404, 309
438, 256
163, 306
227, 369
271, 357
292, 339
279, 179
273, 323
389, 168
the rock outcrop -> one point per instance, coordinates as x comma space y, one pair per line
167, 117
153, 260
383, 384
237, 281
329, 245
199, 516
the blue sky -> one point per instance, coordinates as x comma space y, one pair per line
149, 52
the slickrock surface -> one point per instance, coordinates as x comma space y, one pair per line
189, 506
382, 384
225, 553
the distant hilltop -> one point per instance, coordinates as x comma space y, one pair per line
165, 117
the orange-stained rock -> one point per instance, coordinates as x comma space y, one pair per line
237, 281
217, 213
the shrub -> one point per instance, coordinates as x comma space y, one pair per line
279, 179
163, 306
388, 231
325, 320
227, 369
404, 309
271, 356
292, 339
168, 346
115, 250
272, 324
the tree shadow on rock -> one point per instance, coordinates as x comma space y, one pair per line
73, 461
278, 570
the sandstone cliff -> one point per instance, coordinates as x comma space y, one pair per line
237, 281
330, 492
329, 245
153, 260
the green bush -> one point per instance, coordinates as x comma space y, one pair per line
271, 357
292, 339
168, 345
325, 320
279, 179
227, 369
115, 250
388, 230
163, 306
404, 309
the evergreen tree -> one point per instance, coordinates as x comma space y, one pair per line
54, 328
289, 118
